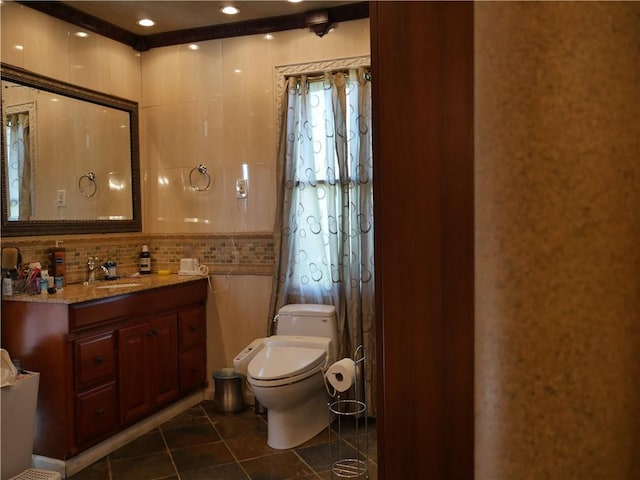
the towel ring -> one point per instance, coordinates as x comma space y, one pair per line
90, 183
203, 171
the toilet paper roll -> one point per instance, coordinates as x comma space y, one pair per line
342, 374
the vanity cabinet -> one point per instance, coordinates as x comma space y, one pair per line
109, 362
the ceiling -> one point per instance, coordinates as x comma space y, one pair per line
182, 15
188, 21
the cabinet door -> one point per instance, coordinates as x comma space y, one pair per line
133, 371
96, 413
192, 370
164, 359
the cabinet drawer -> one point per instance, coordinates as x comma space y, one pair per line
96, 413
192, 328
192, 370
94, 359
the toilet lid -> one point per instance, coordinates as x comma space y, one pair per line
274, 363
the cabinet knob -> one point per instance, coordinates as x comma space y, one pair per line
100, 411
192, 328
99, 359
152, 332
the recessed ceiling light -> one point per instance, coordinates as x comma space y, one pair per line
229, 10
193, 46
146, 22
294, 1
81, 34
268, 36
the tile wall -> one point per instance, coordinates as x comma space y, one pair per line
234, 254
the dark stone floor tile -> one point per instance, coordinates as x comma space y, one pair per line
250, 446
95, 471
201, 456
191, 435
349, 426
198, 454
146, 467
230, 471
233, 427
151, 442
279, 466
322, 437
193, 416
321, 457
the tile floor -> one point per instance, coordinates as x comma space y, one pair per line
203, 444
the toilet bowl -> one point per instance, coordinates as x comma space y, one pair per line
287, 377
286, 373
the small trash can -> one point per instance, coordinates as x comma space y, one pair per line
228, 396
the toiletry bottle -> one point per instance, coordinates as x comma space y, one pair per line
7, 286
44, 281
145, 260
57, 262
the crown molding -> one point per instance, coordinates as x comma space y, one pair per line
141, 43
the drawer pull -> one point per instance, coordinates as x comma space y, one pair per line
99, 359
192, 328
100, 411
152, 333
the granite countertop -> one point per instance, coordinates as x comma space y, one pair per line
78, 292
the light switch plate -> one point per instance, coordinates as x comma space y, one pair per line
61, 198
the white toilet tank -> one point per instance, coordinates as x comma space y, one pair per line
308, 319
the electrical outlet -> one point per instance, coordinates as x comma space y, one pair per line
241, 188
61, 198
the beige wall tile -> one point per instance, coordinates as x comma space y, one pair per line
12, 34
201, 72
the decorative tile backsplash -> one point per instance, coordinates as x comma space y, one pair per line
238, 253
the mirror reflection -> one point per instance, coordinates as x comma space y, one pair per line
69, 158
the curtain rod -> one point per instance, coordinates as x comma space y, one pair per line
320, 75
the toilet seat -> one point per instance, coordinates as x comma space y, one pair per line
281, 365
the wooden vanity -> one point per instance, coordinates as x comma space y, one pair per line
107, 356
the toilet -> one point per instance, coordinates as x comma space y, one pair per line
286, 372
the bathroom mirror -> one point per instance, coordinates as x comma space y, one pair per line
70, 158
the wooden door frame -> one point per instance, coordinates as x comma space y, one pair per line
422, 65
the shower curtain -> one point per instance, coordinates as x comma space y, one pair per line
324, 220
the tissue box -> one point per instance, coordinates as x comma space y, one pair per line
18, 423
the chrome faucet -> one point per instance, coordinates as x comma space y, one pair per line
91, 269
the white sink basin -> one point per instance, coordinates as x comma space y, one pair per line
119, 285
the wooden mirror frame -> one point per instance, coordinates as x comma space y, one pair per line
15, 228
